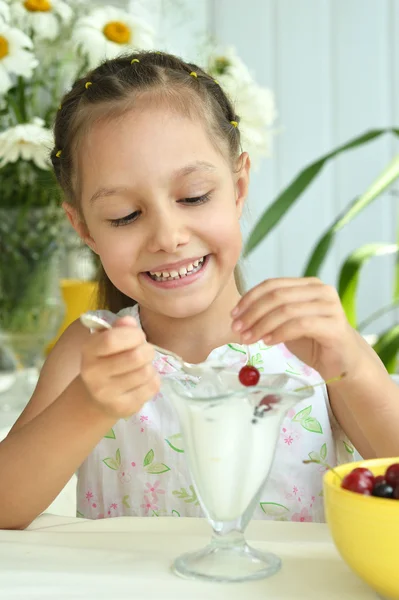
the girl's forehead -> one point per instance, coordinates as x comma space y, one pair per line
144, 137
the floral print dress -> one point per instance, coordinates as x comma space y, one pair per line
139, 467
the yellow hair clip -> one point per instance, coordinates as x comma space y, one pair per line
216, 81
134, 60
87, 84
193, 74
58, 153
234, 123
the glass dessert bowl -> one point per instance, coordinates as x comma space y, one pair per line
230, 432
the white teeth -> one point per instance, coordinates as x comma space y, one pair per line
182, 272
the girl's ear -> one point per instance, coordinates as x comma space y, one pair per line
242, 181
79, 225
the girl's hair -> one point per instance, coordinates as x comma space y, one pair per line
115, 87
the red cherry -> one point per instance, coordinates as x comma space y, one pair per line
392, 475
379, 479
364, 471
249, 375
358, 481
269, 399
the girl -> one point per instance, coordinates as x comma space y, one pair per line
147, 152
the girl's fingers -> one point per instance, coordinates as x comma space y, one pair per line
269, 286
122, 385
281, 298
114, 341
322, 329
129, 360
288, 313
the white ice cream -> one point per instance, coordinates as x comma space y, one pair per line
229, 455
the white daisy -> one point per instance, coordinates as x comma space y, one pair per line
4, 11
110, 31
254, 104
41, 17
15, 56
31, 141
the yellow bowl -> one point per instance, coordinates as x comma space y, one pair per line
365, 529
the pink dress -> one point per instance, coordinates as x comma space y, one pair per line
139, 467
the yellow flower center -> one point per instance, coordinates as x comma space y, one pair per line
221, 65
3, 47
37, 5
117, 32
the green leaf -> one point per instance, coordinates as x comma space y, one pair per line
278, 209
110, 434
274, 213
272, 509
125, 501
311, 424
387, 348
157, 468
315, 456
348, 448
323, 451
383, 181
175, 513
303, 414
111, 463
183, 494
233, 347
80, 515
175, 442
350, 272
118, 457
149, 457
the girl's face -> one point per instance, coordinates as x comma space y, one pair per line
161, 208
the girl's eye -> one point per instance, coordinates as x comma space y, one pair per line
124, 220
197, 199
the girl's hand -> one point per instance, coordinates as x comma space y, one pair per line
117, 369
307, 316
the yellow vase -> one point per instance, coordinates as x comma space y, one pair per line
79, 296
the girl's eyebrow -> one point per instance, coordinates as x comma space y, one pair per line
105, 192
199, 165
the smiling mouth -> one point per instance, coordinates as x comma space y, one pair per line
180, 273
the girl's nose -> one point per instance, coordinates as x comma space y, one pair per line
167, 233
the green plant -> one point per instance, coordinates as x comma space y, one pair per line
387, 344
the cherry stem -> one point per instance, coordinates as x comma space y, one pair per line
332, 380
317, 462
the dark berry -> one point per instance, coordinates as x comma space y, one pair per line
379, 479
358, 481
392, 475
383, 490
249, 375
269, 399
395, 494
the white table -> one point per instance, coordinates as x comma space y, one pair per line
130, 558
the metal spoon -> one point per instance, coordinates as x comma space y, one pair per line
96, 323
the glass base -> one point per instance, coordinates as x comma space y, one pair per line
227, 564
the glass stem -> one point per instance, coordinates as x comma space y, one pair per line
227, 534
